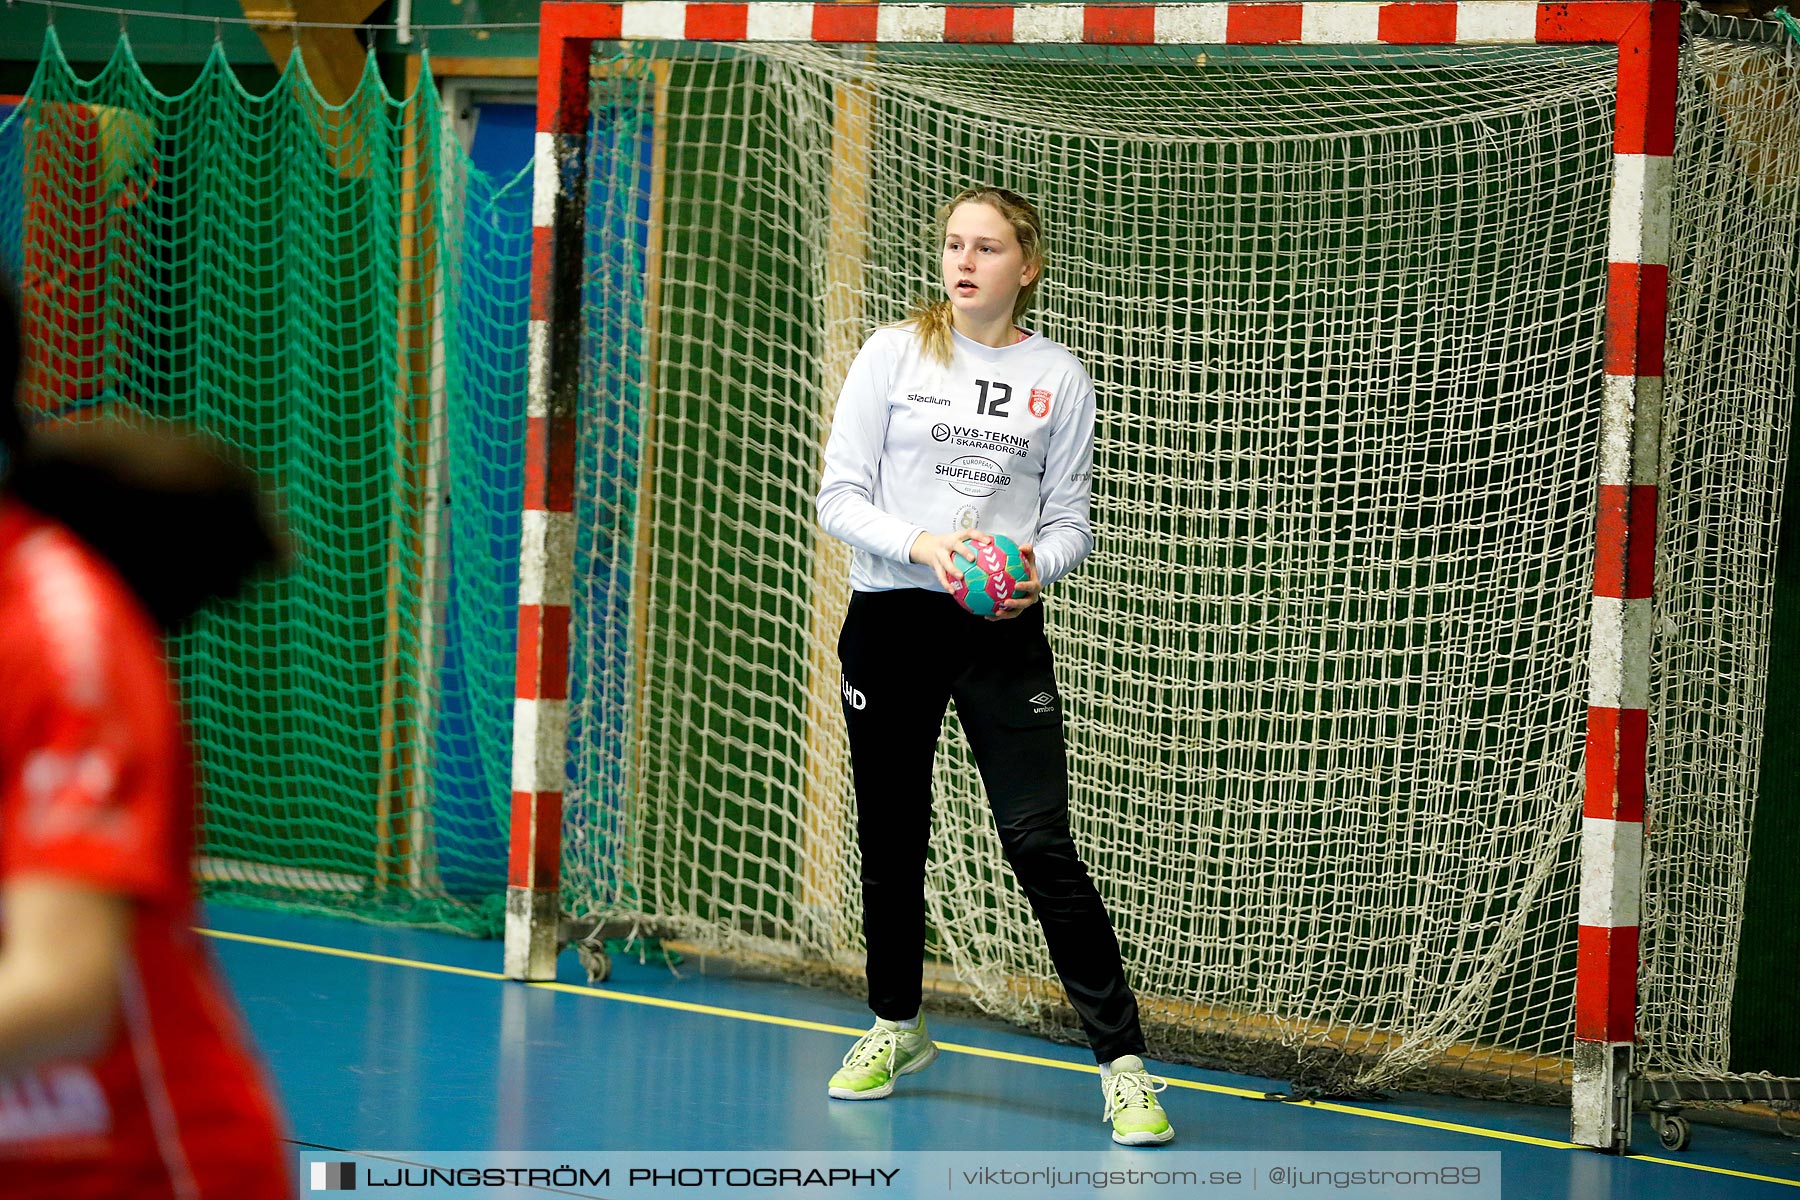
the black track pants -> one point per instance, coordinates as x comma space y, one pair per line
905, 654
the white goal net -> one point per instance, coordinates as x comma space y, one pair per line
1326, 669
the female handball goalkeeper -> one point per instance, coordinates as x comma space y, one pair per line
952, 427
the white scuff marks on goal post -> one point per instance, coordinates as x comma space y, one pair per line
910, 23
1612, 860
1496, 22
546, 180
1642, 197
545, 540
777, 21
1047, 23
537, 387
1619, 649
1618, 400
540, 734
653, 20
1191, 24
1340, 24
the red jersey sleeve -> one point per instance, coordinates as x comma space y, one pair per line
91, 750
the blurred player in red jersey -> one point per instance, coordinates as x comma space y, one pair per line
123, 1069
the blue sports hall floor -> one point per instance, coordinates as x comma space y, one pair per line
385, 1041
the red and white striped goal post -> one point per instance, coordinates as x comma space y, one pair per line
1646, 35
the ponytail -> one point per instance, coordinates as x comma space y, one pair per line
931, 322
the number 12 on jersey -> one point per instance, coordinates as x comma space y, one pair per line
994, 406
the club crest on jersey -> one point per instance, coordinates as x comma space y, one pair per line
1040, 402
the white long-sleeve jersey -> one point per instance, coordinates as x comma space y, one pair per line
1001, 440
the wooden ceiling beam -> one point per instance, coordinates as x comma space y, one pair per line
334, 57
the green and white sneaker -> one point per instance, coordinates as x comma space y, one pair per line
1137, 1119
881, 1056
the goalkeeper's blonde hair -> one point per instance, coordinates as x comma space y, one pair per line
932, 318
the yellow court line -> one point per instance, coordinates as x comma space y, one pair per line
1427, 1122
706, 1010
738, 1014
1693, 1166
360, 955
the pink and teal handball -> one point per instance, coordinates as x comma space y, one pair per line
983, 585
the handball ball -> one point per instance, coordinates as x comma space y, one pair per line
997, 570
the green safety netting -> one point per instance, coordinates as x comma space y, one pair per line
337, 293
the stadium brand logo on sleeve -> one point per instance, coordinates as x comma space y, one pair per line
334, 1177
921, 398
1040, 402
